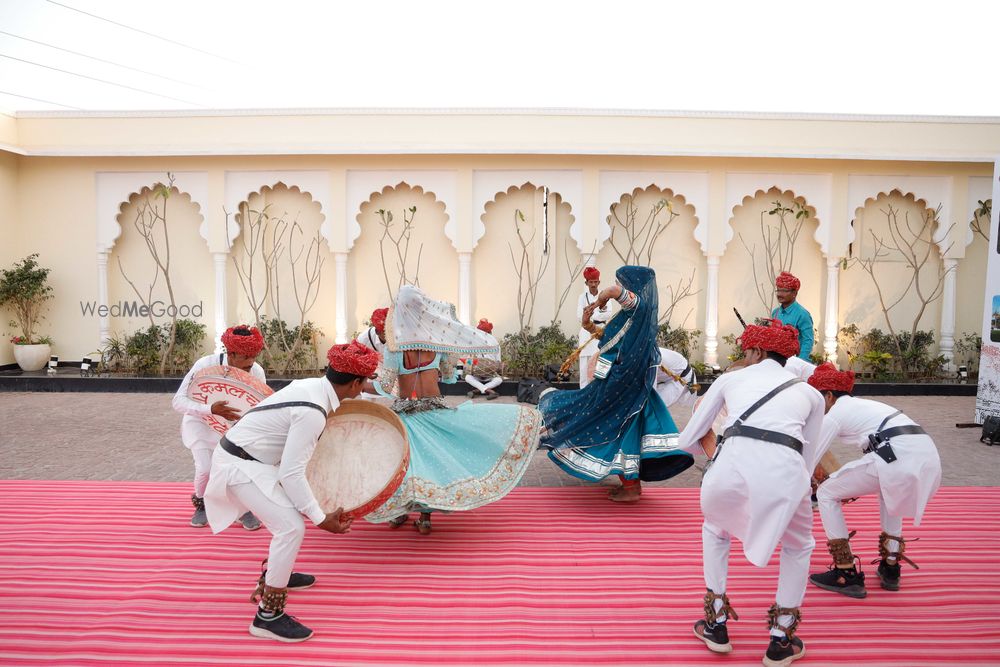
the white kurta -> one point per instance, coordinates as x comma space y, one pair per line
369, 338
754, 488
195, 433
906, 484
670, 390
600, 317
283, 441
799, 367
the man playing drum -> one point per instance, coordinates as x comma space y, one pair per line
260, 465
242, 344
483, 374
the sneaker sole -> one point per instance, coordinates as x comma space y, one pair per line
267, 634
856, 592
198, 525
301, 588
890, 585
787, 661
713, 646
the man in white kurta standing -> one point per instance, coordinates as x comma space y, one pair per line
599, 318
243, 344
900, 464
260, 465
757, 489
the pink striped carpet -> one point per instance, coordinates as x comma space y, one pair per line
109, 573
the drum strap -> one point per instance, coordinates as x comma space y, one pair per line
235, 450
286, 404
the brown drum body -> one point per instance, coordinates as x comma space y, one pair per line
360, 459
226, 383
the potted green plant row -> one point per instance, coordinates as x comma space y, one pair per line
24, 289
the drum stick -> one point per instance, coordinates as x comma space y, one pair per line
740, 318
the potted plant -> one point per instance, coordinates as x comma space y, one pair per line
25, 289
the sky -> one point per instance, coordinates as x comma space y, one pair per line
874, 57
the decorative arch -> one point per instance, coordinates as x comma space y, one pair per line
666, 193
114, 190
816, 190
932, 190
241, 185
500, 196
693, 185
940, 235
362, 186
487, 185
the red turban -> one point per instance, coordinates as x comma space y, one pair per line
826, 377
378, 319
484, 325
244, 340
785, 280
353, 358
591, 273
773, 337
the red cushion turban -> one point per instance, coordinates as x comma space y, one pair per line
785, 280
244, 340
773, 337
826, 377
353, 358
378, 320
591, 273
485, 325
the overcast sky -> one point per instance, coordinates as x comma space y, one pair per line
869, 57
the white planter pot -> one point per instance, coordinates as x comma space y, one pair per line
32, 357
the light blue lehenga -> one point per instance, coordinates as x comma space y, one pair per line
460, 458
618, 424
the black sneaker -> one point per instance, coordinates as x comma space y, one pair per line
299, 581
282, 627
888, 575
783, 652
715, 636
846, 582
199, 519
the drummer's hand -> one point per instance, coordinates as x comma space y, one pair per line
222, 409
334, 523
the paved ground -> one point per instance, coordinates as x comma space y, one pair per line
103, 436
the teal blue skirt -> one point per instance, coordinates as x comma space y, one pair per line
647, 449
463, 458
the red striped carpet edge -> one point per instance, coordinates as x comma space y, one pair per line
109, 573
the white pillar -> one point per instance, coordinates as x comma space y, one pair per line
219, 261
712, 312
102, 293
340, 259
831, 325
465, 287
948, 312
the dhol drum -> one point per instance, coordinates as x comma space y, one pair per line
226, 383
360, 459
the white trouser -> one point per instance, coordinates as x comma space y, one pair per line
490, 384
853, 482
202, 466
793, 570
285, 524
584, 365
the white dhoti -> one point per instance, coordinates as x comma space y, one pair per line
586, 355
237, 486
483, 387
904, 486
201, 441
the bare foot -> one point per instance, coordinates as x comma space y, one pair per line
628, 493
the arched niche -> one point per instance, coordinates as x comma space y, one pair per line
375, 271
494, 275
676, 253
859, 299
265, 220
744, 281
133, 276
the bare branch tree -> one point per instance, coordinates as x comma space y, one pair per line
914, 243
778, 252
635, 241
980, 216
528, 278
574, 273
256, 226
676, 294
401, 245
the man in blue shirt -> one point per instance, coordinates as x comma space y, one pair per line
789, 311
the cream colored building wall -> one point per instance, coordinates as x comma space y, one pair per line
57, 217
437, 271
11, 233
190, 265
970, 293
744, 283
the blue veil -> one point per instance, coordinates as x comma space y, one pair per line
600, 412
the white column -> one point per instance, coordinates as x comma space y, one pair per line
712, 312
340, 259
831, 325
465, 287
102, 293
948, 312
219, 261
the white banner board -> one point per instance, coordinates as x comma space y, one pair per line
988, 394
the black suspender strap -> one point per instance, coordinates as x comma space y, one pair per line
221, 355
739, 429
370, 338
878, 441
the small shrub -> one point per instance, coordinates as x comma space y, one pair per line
526, 354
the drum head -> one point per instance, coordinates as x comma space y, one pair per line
360, 459
226, 383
